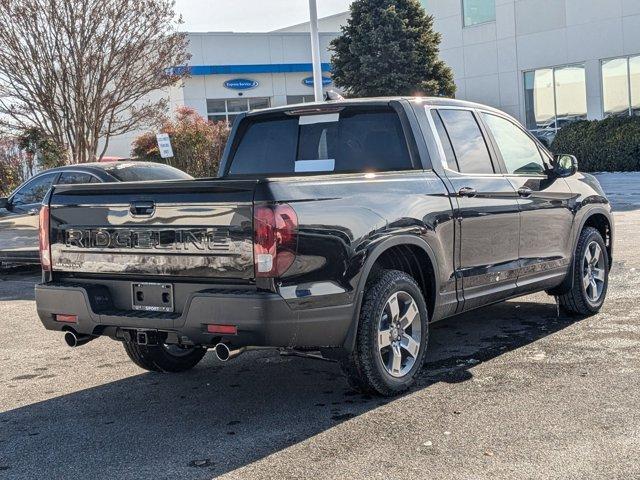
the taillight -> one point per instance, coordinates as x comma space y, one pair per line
45, 247
275, 239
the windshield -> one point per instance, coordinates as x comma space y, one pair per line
353, 140
144, 171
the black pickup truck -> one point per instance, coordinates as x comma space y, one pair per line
343, 227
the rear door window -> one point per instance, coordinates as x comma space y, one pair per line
469, 146
353, 140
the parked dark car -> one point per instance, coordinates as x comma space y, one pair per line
19, 212
344, 227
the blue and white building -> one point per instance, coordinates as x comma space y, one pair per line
546, 62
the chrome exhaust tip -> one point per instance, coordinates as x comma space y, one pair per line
224, 353
73, 339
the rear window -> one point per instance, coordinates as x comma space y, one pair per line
354, 140
141, 171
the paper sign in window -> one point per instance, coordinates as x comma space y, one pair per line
306, 166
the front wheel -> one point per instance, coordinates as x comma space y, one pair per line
164, 358
590, 275
392, 337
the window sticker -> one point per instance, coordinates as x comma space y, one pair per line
313, 119
306, 166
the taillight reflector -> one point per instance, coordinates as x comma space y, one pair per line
43, 233
275, 239
223, 329
64, 318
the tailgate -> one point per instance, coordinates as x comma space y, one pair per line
189, 228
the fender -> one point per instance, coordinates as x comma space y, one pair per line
374, 254
567, 283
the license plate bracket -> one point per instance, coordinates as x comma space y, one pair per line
152, 297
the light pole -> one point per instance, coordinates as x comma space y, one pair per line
315, 51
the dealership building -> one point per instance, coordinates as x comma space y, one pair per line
546, 62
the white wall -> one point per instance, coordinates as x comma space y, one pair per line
251, 49
120, 146
489, 60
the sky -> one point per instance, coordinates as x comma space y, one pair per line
250, 15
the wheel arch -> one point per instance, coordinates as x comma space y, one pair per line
404, 253
601, 220
604, 225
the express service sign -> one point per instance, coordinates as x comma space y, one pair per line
309, 81
241, 84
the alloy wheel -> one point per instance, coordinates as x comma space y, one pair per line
593, 272
399, 334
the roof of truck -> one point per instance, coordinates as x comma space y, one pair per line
435, 101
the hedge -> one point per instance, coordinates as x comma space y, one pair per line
610, 145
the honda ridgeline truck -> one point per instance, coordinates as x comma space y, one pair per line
343, 227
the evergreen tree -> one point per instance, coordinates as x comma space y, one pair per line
389, 47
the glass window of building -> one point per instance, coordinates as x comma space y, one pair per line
554, 97
475, 12
294, 99
621, 86
571, 94
221, 110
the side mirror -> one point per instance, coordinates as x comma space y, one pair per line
4, 202
565, 165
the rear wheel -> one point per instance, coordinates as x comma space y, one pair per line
392, 336
164, 358
590, 275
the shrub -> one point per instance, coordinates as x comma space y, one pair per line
606, 145
197, 143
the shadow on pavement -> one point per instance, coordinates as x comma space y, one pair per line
17, 281
216, 419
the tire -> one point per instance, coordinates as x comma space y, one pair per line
374, 369
160, 358
590, 280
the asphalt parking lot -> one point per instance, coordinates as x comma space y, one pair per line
512, 391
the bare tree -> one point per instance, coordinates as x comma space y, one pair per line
82, 70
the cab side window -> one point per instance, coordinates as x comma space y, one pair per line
468, 143
34, 191
520, 153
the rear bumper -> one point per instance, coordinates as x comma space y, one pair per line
262, 318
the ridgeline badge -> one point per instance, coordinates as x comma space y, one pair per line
240, 84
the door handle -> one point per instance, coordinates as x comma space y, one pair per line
34, 211
467, 192
525, 192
